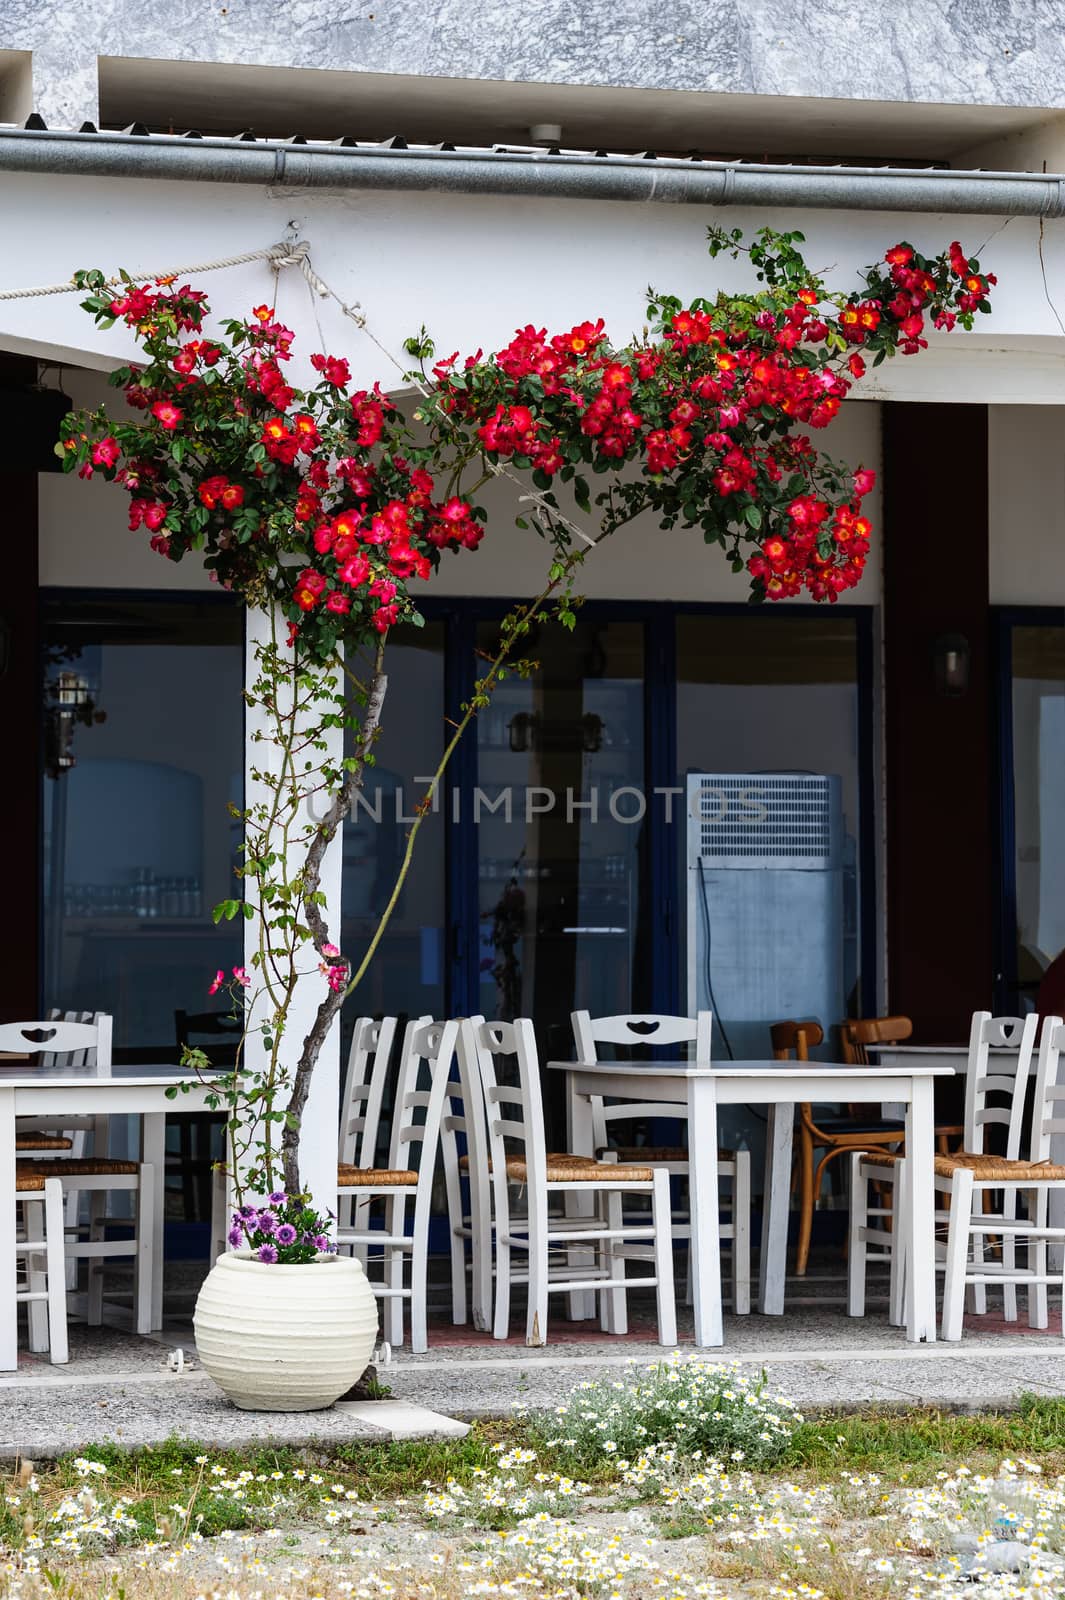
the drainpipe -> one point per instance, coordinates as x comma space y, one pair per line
566, 176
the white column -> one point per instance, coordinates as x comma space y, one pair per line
318, 1134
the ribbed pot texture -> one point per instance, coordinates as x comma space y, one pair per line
285, 1338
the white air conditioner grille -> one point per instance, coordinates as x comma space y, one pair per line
746, 819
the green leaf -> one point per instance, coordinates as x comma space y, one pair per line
753, 517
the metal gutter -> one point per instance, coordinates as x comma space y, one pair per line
569, 175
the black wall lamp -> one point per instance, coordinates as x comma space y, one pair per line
952, 658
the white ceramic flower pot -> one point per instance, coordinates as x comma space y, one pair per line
285, 1338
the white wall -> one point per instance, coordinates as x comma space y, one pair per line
1027, 505
86, 543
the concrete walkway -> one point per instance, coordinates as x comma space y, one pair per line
118, 1389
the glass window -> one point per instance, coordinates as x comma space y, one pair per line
1038, 708
144, 749
560, 821
407, 975
767, 747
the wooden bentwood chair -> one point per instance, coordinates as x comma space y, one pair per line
856, 1128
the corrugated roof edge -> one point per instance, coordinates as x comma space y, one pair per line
527, 171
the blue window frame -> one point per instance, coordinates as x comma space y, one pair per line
1028, 645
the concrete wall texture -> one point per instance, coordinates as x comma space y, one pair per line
1002, 53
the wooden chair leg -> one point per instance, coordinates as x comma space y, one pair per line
857, 1251
665, 1293
94, 1294
896, 1194
57, 1279
35, 1224
961, 1207
741, 1234
144, 1207
806, 1202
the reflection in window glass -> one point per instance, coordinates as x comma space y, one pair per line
143, 753
767, 739
407, 975
560, 830
1038, 692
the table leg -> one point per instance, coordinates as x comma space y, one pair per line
153, 1150
581, 1142
920, 1218
776, 1209
705, 1229
8, 1308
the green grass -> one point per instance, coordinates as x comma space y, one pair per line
910, 1446
922, 1442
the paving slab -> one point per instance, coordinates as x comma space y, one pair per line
40, 1421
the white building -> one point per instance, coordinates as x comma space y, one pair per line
953, 851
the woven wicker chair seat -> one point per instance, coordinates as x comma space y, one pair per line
43, 1141
375, 1178
84, 1167
981, 1166
657, 1152
552, 1155
29, 1182
579, 1169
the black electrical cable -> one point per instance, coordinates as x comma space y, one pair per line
705, 903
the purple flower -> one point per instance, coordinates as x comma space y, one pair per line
248, 1213
267, 1253
286, 1234
322, 1241
236, 1237
278, 1197
266, 1222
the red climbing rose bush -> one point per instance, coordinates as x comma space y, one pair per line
331, 507
704, 420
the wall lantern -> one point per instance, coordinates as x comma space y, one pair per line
951, 656
68, 701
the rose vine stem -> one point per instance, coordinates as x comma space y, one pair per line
324, 835
514, 626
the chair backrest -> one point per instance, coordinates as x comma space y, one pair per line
364, 1089
464, 1128
640, 1028
795, 1038
857, 1033
995, 1087
506, 1058
425, 1059
636, 1029
1048, 1114
63, 1041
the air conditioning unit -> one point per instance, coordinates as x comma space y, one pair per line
765, 903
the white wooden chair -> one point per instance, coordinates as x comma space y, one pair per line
365, 1081
638, 1029
421, 1089
88, 1045
467, 1183
515, 1118
39, 1239
995, 1091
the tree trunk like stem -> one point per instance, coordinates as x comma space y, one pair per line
330, 1006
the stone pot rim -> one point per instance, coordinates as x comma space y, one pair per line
244, 1259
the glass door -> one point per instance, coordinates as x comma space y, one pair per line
560, 813
1033, 842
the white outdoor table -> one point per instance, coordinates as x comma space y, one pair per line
778, 1085
43, 1092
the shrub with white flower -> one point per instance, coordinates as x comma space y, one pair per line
698, 1407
